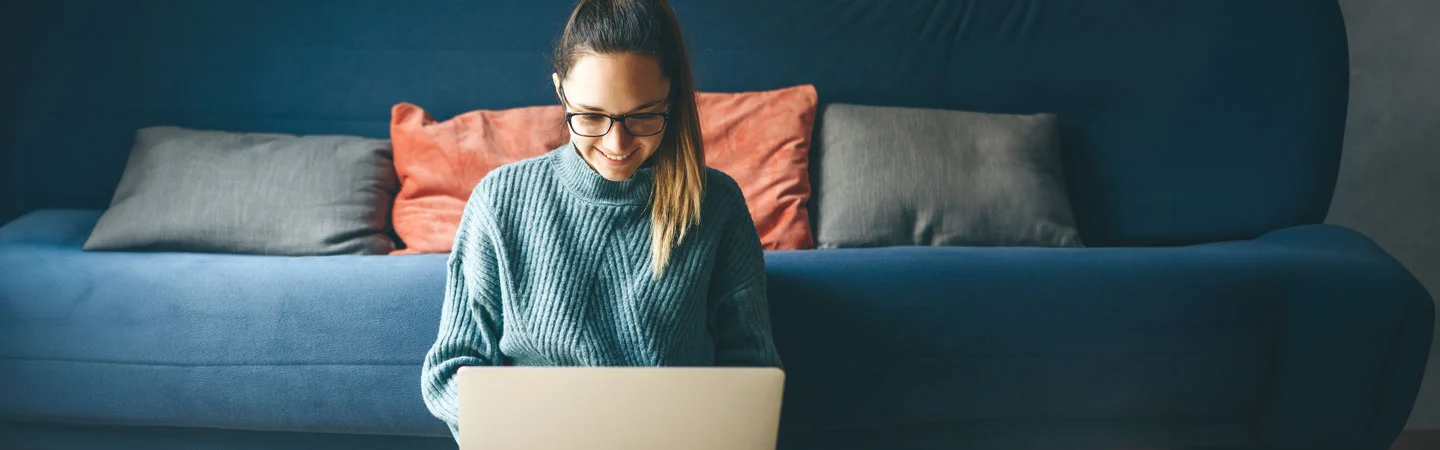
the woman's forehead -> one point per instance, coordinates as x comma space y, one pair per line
615, 83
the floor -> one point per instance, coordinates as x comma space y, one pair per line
1426, 415
1418, 440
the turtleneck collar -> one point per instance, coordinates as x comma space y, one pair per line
586, 183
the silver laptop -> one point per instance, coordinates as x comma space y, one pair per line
611, 408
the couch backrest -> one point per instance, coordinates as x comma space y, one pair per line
1183, 121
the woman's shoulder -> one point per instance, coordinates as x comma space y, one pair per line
722, 193
528, 173
496, 192
720, 184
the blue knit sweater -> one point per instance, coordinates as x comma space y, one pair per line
551, 266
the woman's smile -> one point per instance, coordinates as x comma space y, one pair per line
618, 158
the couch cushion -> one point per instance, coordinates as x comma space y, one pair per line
233, 341
922, 336
1029, 340
870, 337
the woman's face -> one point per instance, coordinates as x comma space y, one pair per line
615, 85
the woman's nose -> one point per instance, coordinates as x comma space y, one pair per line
618, 139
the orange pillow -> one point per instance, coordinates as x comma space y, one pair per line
761, 139
439, 163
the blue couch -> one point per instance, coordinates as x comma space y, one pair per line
1201, 144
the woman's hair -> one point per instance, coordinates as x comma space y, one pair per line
649, 27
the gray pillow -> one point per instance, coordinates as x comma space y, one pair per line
906, 176
276, 194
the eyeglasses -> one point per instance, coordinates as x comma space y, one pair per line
596, 124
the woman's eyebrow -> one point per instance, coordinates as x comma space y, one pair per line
637, 108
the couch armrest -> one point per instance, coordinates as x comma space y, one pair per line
1366, 321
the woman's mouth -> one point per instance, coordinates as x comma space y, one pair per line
620, 158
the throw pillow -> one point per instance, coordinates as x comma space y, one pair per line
262, 193
761, 139
908, 176
439, 163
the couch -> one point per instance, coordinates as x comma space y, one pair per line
1210, 308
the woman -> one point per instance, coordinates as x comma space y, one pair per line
618, 249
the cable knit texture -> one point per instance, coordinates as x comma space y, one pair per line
551, 266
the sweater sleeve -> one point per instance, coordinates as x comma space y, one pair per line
470, 319
739, 310
742, 328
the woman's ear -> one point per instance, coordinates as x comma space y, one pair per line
555, 78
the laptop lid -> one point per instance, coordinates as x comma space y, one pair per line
630, 408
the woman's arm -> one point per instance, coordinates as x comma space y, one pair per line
741, 321
470, 320
739, 310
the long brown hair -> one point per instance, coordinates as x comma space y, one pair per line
649, 27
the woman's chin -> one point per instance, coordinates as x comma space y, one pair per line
612, 171
616, 174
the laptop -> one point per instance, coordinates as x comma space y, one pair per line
619, 408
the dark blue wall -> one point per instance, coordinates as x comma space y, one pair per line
10, 32
1182, 121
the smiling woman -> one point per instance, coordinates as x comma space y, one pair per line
626, 57
618, 153
595, 254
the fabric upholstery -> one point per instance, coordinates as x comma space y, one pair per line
329, 343
761, 139
215, 191
1305, 336
33, 436
909, 176
439, 163
987, 435
1159, 99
